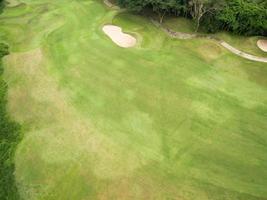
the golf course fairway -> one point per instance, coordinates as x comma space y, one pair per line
167, 119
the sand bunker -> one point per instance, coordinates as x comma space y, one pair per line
262, 44
117, 36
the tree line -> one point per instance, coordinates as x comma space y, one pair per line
1, 5
244, 17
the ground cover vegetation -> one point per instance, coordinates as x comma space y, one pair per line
9, 138
166, 119
243, 43
243, 17
1, 5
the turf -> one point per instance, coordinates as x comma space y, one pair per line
180, 24
243, 43
168, 119
246, 44
9, 139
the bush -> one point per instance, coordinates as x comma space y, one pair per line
243, 17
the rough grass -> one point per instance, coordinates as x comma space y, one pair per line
9, 138
168, 119
180, 24
246, 44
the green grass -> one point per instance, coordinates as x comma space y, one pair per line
180, 24
243, 43
168, 119
246, 44
9, 138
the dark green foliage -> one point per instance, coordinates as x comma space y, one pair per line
136, 5
242, 17
1, 5
245, 17
175, 6
9, 138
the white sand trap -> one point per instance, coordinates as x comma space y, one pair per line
262, 44
117, 36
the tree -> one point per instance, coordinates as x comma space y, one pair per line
1, 5
167, 6
134, 5
244, 17
247, 17
161, 8
198, 8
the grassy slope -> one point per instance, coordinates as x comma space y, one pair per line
246, 44
9, 138
169, 119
